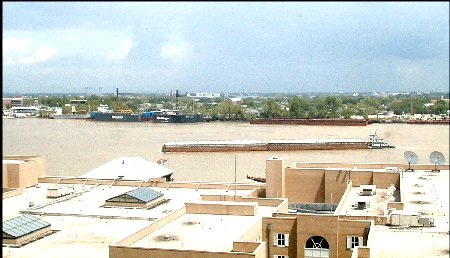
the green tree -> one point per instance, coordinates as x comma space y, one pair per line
333, 104
349, 111
297, 107
270, 109
441, 107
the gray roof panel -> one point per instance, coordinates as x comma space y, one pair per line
23, 225
144, 194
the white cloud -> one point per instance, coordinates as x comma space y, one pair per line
40, 55
16, 45
179, 52
122, 52
23, 50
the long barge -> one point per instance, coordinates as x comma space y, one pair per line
275, 145
310, 121
316, 144
434, 122
214, 146
374, 142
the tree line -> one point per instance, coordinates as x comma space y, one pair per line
266, 107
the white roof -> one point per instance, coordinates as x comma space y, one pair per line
131, 168
348, 140
12, 161
231, 142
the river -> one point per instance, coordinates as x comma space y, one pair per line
74, 147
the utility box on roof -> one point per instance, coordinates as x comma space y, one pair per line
398, 218
59, 191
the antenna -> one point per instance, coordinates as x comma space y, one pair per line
235, 177
437, 158
410, 157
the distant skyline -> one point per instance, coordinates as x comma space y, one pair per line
286, 47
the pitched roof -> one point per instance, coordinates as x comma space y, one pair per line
23, 225
129, 168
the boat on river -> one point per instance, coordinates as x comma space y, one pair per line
374, 142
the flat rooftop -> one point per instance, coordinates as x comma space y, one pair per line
377, 205
425, 192
83, 227
13, 161
92, 198
203, 232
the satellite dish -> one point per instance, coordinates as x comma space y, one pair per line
437, 158
410, 157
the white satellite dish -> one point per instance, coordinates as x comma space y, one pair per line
437, 158
410, 157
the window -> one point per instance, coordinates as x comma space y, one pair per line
281, 240
280, 256
353, 241
317, 246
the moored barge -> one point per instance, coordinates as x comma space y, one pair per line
310, 121
434, 122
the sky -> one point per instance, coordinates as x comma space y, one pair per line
267, 47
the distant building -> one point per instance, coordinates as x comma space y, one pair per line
204, 95
17, 102
28, 111
13, 102
74, 102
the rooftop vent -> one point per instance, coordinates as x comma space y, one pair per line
165, 238
191, 222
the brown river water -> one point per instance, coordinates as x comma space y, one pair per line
74, 147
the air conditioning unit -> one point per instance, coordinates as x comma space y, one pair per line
426, 222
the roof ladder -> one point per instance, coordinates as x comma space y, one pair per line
85, 181
59, 180
228, 187
198, 186
141, 183
168, 186
113, 182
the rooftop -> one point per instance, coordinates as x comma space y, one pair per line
131, 168
426, 193
83, 217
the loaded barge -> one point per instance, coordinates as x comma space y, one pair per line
308, 121
155, 116
275, 145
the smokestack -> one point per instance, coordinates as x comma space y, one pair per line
176, 99
117, 92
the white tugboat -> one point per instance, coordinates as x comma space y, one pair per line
376, 142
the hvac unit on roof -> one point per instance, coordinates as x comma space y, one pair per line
367, 190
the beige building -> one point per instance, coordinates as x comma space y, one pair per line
303, 210
22, 171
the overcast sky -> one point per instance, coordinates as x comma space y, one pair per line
290, 47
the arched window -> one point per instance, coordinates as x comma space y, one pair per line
317, 246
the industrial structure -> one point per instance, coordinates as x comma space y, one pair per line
303, 210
